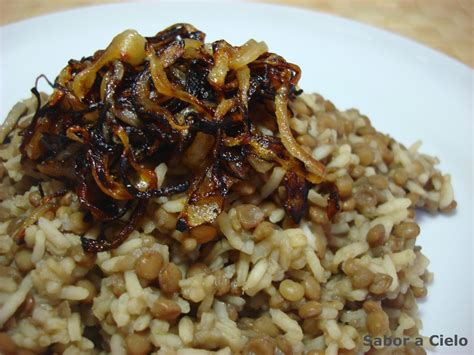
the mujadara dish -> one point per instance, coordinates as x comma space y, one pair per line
173, 196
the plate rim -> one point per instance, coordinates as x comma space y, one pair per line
408, 41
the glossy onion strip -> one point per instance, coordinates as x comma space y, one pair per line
171, 98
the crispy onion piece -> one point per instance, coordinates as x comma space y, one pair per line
297, 196
47, 203
128, 46
243, 78
333, 200
147, 179
100, 245
206, 199
99, 163
205, 110
141, 94
316, 168
93, 201
162, 83
222, 57
247, 53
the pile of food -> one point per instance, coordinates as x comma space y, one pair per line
179, 197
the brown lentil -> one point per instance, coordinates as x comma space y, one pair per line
23, 260
365, 154
362, 278
311, 327
276, 301
118, 285
148, 265
357, 171
376, 235
419, 292
310, 309
260, 345
222, 283
378, 181
407, 230
365, 130
137, 344
449, 208
204, 233
27, 306
326, 121
350, 267
284, 345
414, 198
387, 156
396, 303
169, 278
148, 241
196, 269
344, 186
399, 176
232, 312
365, 197
267, 208
348, 126
349, 204
34, 198
307, 140
411, 332
312, 288
263, 230
329, 106
291, 290
377, 322
381, 284
165, 309
249, 215
430, 206
265, 326
371, 306
411, 213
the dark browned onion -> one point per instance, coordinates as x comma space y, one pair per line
115, 116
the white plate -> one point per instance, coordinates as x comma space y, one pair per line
406, 89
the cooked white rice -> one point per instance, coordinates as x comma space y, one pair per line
254, 283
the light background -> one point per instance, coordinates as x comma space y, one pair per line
445, 25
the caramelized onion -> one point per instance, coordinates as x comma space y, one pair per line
281, 110
128, 46
115, 116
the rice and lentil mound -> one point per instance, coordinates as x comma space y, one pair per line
251, 283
